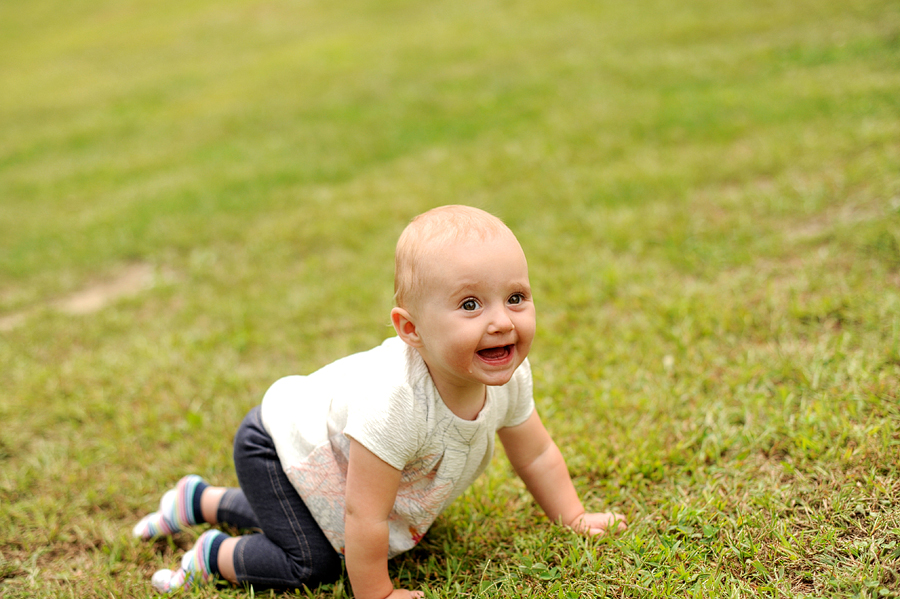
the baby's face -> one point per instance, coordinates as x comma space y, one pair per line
475, 316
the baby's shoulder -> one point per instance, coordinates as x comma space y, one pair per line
382, 362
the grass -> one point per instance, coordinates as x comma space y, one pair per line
708, 193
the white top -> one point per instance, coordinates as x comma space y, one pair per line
386, 400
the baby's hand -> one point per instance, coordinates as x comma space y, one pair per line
599, 524
403, 594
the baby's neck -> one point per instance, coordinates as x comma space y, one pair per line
466, 403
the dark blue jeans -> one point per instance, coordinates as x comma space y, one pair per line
291, 550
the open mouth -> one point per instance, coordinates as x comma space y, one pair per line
496, 353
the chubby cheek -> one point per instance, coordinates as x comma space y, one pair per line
461, 347
525, 346
526, 327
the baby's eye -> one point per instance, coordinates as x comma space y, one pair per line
516, 299
470, 305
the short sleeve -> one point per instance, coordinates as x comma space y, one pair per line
521, 396
388, 427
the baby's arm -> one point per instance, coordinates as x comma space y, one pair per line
539, 463
371, 490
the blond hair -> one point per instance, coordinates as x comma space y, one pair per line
427, 233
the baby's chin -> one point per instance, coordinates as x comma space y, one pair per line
497, 378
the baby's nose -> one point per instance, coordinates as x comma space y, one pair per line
500, 322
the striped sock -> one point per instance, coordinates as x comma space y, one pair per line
198, 566
178, 509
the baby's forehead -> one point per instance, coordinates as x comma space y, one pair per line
462, 255
454, 237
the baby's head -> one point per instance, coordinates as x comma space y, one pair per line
463, 298
424, 237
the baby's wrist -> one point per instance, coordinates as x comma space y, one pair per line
576, 522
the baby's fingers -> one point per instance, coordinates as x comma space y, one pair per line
613, 526
404, 594
599, 524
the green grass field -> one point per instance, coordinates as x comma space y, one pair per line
708, 193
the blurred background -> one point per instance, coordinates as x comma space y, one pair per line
197, 198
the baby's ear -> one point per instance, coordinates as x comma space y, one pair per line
405, 327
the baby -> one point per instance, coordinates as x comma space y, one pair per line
356, 460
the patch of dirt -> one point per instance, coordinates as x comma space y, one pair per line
11, 321
129, 282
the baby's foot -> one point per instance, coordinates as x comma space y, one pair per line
178, 509
198, 566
